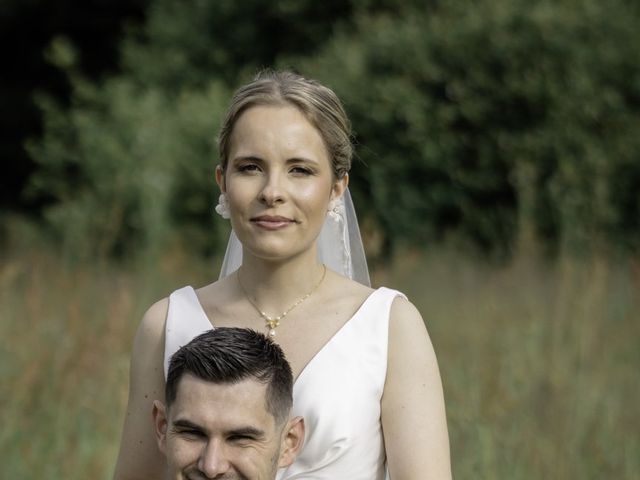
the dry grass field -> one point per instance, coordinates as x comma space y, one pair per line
540, 360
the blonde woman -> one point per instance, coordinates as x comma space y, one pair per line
367, 381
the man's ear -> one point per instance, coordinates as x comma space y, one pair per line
292, 441
220, 179
161, 423
339, 186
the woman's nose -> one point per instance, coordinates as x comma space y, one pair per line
213, 460
272, 192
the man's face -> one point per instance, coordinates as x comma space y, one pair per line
222, 431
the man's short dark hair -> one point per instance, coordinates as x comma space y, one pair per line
227, 355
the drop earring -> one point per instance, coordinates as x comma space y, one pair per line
222, 208
335, 209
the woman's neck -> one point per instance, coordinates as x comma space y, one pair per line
274, 285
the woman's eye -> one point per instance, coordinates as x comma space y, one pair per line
301, 171
249, 167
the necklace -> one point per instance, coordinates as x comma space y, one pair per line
273, 322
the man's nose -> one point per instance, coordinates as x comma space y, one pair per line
213, 460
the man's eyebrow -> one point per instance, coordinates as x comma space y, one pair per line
247, 432
242, 431
184, 423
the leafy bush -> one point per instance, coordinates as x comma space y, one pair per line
495, 118
126, 164
492, 122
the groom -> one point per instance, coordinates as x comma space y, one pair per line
227, 412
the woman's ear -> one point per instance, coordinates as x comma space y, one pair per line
292, 441
220, 178
339, 186
160, 422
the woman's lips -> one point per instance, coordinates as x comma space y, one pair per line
270, 222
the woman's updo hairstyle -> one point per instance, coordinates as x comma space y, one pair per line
316, 102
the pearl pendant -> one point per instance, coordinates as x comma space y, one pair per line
272, 332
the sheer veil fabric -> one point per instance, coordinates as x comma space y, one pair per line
339, 245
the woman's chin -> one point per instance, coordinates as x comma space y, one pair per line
277, 251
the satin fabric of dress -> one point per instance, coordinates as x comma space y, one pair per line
338, 392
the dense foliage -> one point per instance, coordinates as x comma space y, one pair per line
490, 122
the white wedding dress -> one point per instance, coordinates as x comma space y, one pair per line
338, 393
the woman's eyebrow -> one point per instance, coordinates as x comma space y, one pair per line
242, 158
302, 159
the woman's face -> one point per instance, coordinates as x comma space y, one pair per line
278, 182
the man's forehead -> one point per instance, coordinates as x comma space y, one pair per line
200, 401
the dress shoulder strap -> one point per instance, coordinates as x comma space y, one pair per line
186, 319
372, 320
379, 303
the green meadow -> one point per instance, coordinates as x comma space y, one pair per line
539, 359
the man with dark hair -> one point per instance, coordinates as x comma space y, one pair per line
227, 414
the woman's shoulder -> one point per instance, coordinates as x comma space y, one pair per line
343, 287
153, 321
404, 309
152, 324
406, 323
220, 287
214, 297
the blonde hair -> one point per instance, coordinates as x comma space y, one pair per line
319, 104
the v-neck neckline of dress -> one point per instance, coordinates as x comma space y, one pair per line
335, 335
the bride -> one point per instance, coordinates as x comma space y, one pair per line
367, 381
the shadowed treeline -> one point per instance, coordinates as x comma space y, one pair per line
487, 123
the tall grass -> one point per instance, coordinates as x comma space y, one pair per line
65, 337
540, 363
539, 360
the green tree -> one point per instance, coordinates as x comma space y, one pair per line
127, 164
486, 119
130, 164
